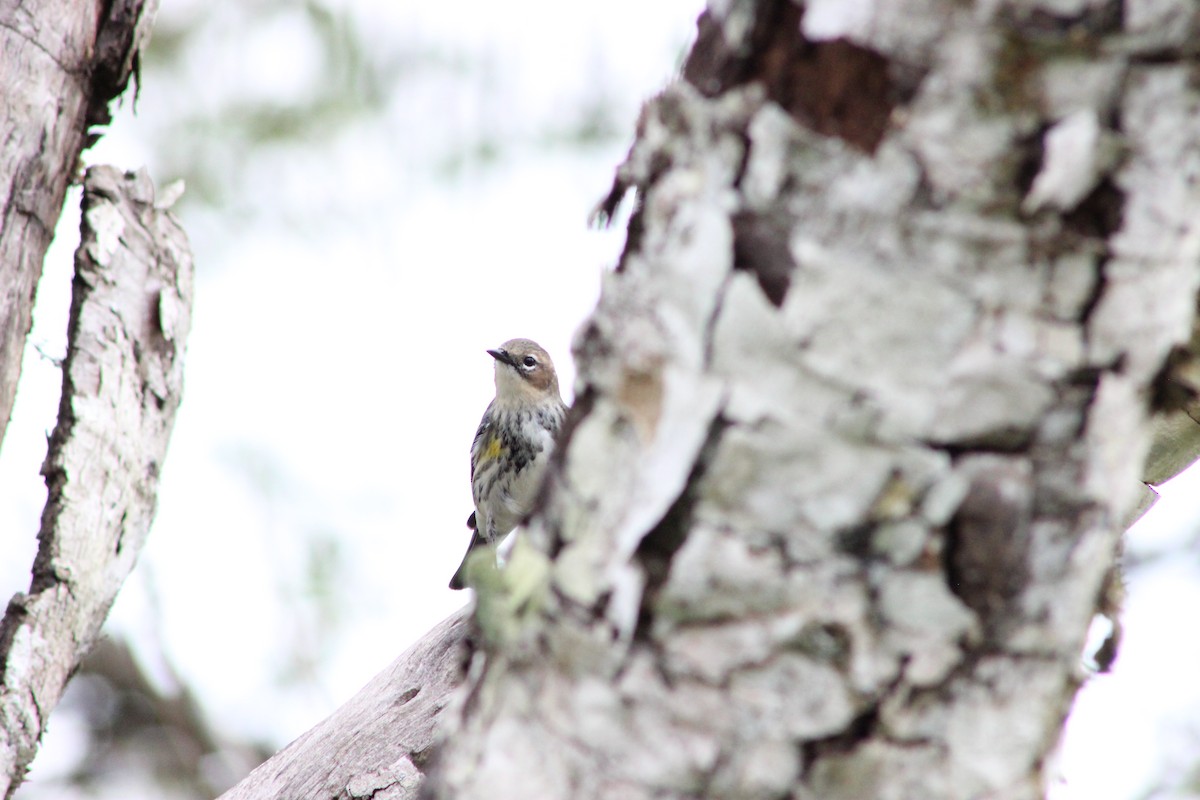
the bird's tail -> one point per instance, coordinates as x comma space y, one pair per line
459, 581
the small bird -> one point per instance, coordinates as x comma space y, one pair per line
513, 443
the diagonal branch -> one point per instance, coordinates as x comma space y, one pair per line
122, 382
377, 744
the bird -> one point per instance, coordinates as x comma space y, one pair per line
512, 444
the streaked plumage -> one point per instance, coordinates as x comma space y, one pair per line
512, 444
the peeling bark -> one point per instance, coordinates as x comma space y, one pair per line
933, 413
60, 65
122, 382
863, 410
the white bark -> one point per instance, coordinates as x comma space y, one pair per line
863, 410
860, 425
61, 63
122, 382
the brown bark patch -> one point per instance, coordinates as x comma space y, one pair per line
760, 246
835, 87
1100, 214
988, 538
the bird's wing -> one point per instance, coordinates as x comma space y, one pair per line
479, 446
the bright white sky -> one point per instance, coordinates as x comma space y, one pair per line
336, 369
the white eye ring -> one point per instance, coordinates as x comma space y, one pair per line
529, 361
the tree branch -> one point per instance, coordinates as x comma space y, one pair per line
378, 743
60, 65
122, 383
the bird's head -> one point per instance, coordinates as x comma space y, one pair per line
524, 372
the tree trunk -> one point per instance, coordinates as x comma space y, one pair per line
122, 383
61, 63
863, 410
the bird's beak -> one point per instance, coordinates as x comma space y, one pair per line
502, 356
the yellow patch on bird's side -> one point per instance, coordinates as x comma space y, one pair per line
493, 448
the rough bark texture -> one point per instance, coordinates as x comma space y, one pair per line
122, 382
61, 63
376, 745
1176, 441
863, 409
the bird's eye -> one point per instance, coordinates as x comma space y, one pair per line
530, 362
